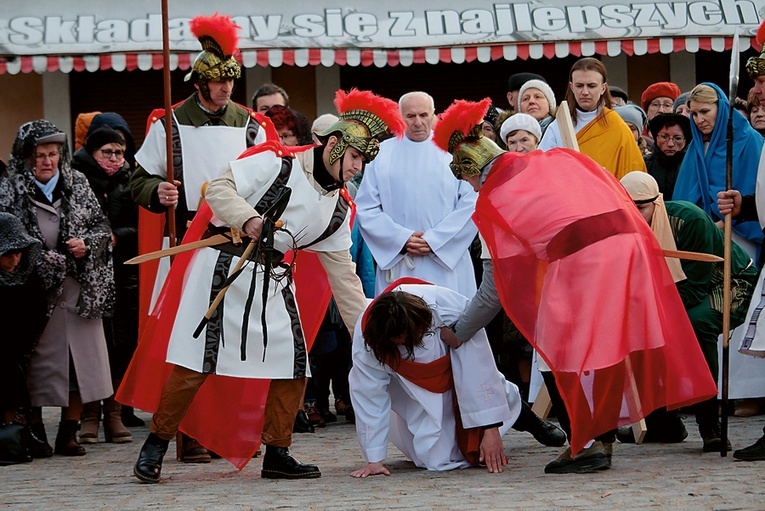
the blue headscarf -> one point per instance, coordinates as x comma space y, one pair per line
702, 176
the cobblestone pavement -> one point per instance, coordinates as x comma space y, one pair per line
674, 476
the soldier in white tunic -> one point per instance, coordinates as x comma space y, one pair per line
208, 131
237, 342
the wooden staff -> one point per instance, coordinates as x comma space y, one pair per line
168, 117
733, 89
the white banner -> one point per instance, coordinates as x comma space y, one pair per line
75, 27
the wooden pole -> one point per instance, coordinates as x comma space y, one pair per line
168, 116
728, 229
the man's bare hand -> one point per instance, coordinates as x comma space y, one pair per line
416, 244
449, 338
253, 227
371, 469
492, 451
729, 202
168, 193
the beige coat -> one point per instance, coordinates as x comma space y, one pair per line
67, 333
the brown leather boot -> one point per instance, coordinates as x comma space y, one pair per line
91, 415
189, 450
66, 440
114, 430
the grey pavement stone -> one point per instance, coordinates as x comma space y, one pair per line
677, 477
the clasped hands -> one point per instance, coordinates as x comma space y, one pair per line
416, 244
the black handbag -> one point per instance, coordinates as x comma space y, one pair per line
13, 445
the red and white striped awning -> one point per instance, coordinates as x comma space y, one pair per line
374, 57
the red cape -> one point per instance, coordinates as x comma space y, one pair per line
583, 277
227, 413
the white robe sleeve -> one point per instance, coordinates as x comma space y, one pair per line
151, 157
452, 236
384, 237
368, 382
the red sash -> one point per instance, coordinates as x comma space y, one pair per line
436, 377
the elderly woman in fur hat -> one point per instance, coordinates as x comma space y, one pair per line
56, 206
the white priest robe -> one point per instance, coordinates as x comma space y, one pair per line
420, 423
408, 188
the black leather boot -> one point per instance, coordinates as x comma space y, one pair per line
38, 441
546, 433
755, 452
302, 424
711, 437
278, 463
149, 464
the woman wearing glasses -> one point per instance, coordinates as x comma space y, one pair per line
671, 134
104, 163
70, 365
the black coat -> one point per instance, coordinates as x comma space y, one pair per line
664, 169
23, 315
113, 194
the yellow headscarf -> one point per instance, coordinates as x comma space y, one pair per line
643, 188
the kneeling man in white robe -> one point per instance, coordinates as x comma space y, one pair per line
397, 350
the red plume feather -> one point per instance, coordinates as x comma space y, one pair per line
460, 116
761, 34
384, 108
220, 28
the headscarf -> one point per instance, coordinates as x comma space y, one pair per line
703, 175
24, 147
643, 189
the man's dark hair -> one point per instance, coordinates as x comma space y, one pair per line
392, 315
268, 89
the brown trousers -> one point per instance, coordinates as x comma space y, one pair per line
284, 397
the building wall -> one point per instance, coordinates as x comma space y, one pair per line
22, 102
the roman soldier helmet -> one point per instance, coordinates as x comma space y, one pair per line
219, 39
458, 131
755, 66
365, 120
